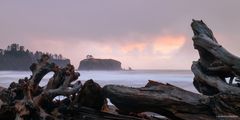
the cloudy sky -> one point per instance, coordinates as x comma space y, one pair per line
143, 34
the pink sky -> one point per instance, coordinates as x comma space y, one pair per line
132, 54
141, 34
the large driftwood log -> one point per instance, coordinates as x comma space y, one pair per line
164, 99
215, 62
211, 71
174, 102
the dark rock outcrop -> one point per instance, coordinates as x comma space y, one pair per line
99, 64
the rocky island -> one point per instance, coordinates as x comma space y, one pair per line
91, 63
15, 57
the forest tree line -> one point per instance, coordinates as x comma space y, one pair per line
15, 57
15, 50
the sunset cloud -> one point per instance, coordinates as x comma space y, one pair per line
158, 44
133, 47
127, 50
168, 44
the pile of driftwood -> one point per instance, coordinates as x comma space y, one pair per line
26, 100
216, 78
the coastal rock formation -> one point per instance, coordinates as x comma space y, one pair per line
216, 76
99, 64
15, 57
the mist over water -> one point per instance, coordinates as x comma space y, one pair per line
136, 78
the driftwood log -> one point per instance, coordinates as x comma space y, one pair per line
164, 99
27, 100
216, 76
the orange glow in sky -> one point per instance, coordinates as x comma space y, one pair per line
133, 46
162, 47
168, 44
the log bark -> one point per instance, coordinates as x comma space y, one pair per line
215, 62
164, 99
91, 95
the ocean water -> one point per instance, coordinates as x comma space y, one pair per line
136, 78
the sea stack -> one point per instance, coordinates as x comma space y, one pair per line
91, 63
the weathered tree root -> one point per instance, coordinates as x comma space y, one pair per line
30, 101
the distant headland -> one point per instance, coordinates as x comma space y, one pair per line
91, 63
15, 57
